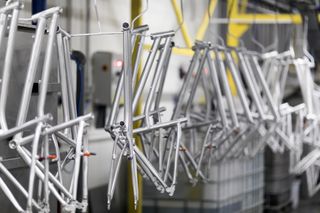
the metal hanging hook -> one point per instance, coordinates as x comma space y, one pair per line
141, 14
305, 43
182, 14
275, 44
97, 15
255, 41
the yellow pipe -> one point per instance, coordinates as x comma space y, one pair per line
180, 20
243, 6
182, 51
293, 18
136, 9
235, 32
205, 20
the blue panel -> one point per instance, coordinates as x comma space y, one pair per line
38, 6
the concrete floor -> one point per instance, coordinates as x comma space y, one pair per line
308, 207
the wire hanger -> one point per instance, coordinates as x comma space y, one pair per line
252, 38
275, 44
8, 2
305, 43
182, 14
72, 35
141, 14
97, 15
220, 39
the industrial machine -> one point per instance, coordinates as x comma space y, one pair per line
106, 68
